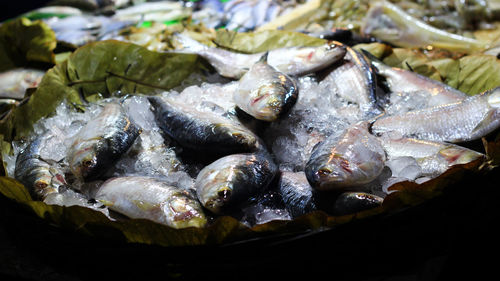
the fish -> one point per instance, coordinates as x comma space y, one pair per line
202, 130
355, 158
265, 93
150, 198
153, 11
15, 82
466, 120
390, 23
293, 61
40, 176
353, 202
404, 81
101, 142
433, 157
355, 81
297, 194
233, 179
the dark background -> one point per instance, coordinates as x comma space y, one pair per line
453, 236
12, 8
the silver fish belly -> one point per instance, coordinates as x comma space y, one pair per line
202, 130
101, 142
41, 177
265, 93
404, 81
354, 159
469, 119
150, 198
433, 157
233, 179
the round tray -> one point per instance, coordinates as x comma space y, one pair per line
447, 236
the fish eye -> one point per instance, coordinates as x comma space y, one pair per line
87, 163
41, 185
324, 172
224, 193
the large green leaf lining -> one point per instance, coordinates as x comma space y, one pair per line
23, 42
103, 68
256, 42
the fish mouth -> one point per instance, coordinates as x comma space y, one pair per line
220, 199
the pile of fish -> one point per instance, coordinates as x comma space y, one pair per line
295, 130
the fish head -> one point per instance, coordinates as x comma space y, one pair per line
339, 173
241, 136
267, 102
183, 211
332, 51
43, 185
332, 174
84, 163
494, 98
217, 196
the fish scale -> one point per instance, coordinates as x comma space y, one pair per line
445, 122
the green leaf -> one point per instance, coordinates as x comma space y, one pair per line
255, 42
23, 42
100, 69
478, 73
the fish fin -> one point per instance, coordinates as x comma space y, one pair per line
105, 202
264, 57
484, 123
409, 66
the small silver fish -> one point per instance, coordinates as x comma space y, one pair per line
354, 159
265, 93
101, 142
150, 198
354, 80
294, 61
433, 157
13, 83
233, 179
404, 81
202, 130
41, 177
466, 120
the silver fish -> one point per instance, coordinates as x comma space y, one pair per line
202, 130
433, 157
404, 81
13, 83
265, 93
150, 198
353, 202
101, 142
233, 179
354, 159
469, 119
41, 177
354, 80
297, 194
293, 61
